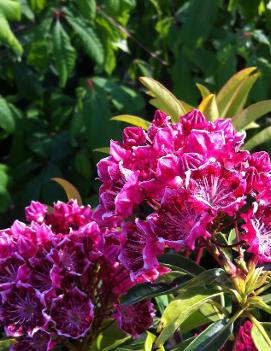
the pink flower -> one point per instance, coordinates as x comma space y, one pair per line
243, 341
179, 222
135, 319
258, 231
36, 211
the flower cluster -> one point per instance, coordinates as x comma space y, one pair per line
192, 178
60, 278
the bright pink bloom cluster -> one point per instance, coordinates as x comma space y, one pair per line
60, 277
191, 178
243, 341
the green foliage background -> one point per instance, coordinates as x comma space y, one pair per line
68, 66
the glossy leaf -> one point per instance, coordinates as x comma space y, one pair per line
213, 337
183, 263
168, 102
149, 290
149, 341
260, 138
226, 93
260, 336
64, 53
209, 108
251, 114
37, 5
203, 90
70, 190
188, 301
134, 120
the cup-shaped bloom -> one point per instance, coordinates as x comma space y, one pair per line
217, 188
179, 222
40, 341
22, 310
72, 314
138, 251
258, 231
135, 319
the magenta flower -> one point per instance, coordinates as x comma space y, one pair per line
135, 319
243, 341
12, 270
22, 310
72, 314
40, 341
258, 231
179, 222
36, 212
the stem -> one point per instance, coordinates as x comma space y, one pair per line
199, 254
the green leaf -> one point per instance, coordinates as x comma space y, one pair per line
10, 9
7, 37
213, 337
182, 345
260, 336
228, 92
168, 102
6, 116
103, 150
134, 120
37, 5
183, 263
88, 38
111, 338
64, 53
208, 107
188, 300
203, 90
251, 114
260, 138
87, 8
70, 190
149, 341
6, 343
149, 290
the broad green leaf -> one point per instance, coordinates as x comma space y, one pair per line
260, 138
208, 107
182, 345
225, 94
134, 120
149, 290
203, 90
188, 300
149, 341
10, 9
103, 150
87, 8
111, 338
168, 102
70, 190
64, 53
90, 41
37, 5
7, 37
6, 116
260, 336
239, 98
251, 114
186, 106
183, 263
213, 337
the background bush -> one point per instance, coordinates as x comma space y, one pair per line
68, 66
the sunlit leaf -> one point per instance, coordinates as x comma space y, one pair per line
134, 120
6, 116
167, 101
260, 138
103, 150
227, 93
260, 336
7, 36
37, 5
251, 114
208, 107
203, 90
70, 190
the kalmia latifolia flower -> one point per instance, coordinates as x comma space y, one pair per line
135, 319
243, 341
60, 276
184, 181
